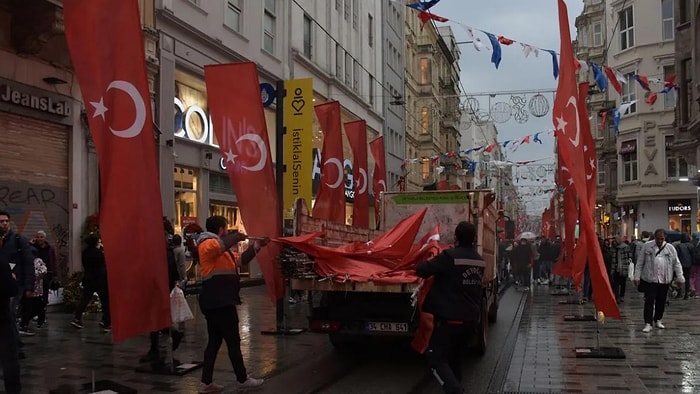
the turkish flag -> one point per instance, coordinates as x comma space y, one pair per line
357, 136
379, 175
569, 143
330, 198
106, 47
613, 79
565, 265
238, 118
590, 158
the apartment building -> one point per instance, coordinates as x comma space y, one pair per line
686, 14
48, 172
432, 104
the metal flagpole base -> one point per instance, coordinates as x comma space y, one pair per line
579, 318
600, 352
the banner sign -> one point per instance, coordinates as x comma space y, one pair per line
298, 143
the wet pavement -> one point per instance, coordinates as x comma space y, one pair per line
662, 361
531, 350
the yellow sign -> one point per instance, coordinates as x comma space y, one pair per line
298, 143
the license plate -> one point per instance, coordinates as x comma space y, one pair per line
387, 326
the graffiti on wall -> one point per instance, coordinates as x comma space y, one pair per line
39, 207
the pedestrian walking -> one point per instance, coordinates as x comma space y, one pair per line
94, 281
34, 303
47, 254
219, 296
455, 302
695, 268
9, 357
652, 275
522, 259
622, 261
16, 252
684, 249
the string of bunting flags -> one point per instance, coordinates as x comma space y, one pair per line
603, 75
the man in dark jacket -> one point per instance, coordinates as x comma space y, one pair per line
8, 343
47, 254
16, 252
455, 302
219, 296
685, 254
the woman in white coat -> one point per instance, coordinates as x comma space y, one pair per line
656, 264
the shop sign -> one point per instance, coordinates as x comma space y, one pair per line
298, 142
193, 123
628, 147
33, 98
679, 206
187, 220
349, 180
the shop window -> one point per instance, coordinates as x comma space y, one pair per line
626, 19
229, 211
185, 197
233, 14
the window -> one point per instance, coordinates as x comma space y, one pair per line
356, 77
667, 25
232, 14
424, 120
425, 77
601, 173
339, 59
371, 90
355, 13
583, 36
370, 26
686, 89
676, 165
626, 29
348, 69
308, 31
685, 10
598, 34
670, 97
628, 153
269, 22
426, 169
629, 93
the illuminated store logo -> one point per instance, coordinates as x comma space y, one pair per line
679, 206
193, 123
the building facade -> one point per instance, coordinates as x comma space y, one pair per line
48, 172
394, 71
687, 136
432, 104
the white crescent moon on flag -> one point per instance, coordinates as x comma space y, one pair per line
577, 140
338, 164
261, 147
383, 184
363, 174
139, 105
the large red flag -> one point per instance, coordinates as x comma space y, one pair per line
357, 135
565, 266
330, 198
589, 151
379, 175
568, 133
106, 46
239, 124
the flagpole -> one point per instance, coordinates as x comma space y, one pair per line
280, 131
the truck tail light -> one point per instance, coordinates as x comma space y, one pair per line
324, 326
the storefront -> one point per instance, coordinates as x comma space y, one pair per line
680, 215
34, 171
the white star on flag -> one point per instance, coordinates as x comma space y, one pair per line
561, 124
100, 108
230, 156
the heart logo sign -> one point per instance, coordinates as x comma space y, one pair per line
298, 105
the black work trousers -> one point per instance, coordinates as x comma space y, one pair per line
9, 357
445, 353
654, 301
619, 284
222, 324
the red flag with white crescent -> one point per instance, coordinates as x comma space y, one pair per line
379, 175
106, 47
239, 124
357, 136
565, 116
330, 198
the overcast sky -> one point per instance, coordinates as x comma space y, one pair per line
533, 22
